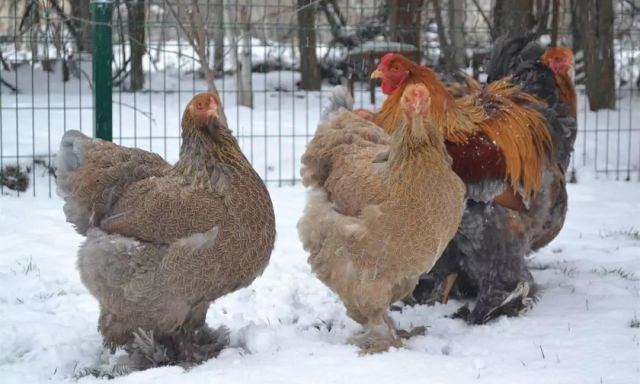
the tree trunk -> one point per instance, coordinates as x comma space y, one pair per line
240, 19
218, 36
513, 18
543, 10
446, 54
596, 20
136, 16
456, 32
309, 70
555, 22
81, 12
576, 28
404, 20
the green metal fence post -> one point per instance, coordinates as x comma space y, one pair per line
101, 11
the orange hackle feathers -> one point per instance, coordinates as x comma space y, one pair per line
567, 93
459, 89
444, 110
560, 60
501, 111
518, 130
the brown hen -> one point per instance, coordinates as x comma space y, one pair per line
373, 228
164, 241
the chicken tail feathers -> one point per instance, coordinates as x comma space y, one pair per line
508, 53
520, 57
338, 99
73, 147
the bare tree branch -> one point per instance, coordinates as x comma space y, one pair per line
67, 21
196, 36
485, 18
632, 5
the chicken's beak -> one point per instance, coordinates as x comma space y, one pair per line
213, 113
377, 74
212, 116
213, 109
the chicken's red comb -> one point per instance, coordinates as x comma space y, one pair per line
387, 58
213, 104
562, 51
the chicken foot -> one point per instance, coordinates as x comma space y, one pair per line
377, 336
186, 347
491, 306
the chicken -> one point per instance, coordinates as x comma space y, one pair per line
488, 254
373, 228
493, 136
540, 75
544, 74
560, 61
163, 242
500, 142
459, 84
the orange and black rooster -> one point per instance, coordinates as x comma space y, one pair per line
500, 141
493, 135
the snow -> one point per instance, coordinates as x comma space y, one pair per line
288, 327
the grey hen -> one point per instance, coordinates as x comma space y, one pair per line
163, 242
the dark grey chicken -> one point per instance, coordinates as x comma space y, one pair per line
487, 257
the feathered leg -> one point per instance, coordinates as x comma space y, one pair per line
488, 254
432, 286
184, 347
493, 246
378, 334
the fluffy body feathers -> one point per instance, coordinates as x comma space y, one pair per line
372, 228
164, 241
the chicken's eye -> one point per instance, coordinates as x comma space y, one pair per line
199, 105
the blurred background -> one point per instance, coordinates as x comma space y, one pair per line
273, 62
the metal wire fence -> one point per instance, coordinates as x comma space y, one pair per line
47, 81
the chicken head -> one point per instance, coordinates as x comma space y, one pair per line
202, 113
393, 72
559, 59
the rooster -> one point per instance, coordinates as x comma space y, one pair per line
488, 257
164, 241
373, 228
493, 135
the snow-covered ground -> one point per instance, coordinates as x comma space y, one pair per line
288, 328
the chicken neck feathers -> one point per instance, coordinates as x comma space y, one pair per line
500, 111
